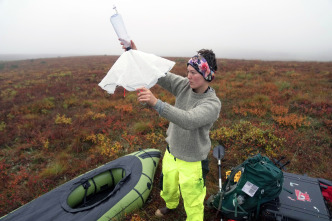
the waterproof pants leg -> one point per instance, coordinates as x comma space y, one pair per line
189, 177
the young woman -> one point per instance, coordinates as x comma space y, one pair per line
196, 108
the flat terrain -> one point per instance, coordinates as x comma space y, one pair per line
56, 123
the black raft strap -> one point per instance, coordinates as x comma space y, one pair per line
139, 194
113, 184
154, 162
94, 183
147, 177
86, 186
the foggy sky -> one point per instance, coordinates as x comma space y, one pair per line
242, 29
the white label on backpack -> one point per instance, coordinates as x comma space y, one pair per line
250, 188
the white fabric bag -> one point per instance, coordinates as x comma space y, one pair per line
135, 69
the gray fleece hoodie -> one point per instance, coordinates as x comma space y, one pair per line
191, 118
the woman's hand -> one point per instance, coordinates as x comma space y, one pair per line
132, 45
146, 96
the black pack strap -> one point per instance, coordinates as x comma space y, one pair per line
279, 164
139, 194
283, 167
278, 161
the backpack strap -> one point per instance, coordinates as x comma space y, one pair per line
220, 202
226, 187
236, 205
259, 203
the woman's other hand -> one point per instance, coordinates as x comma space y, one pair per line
146, 96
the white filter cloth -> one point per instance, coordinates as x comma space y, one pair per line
135, 69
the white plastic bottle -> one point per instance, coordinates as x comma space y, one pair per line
120, 29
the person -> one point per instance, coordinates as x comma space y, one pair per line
196, 108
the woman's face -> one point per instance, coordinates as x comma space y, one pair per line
196, 80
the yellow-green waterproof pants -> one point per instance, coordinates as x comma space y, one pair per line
189, 176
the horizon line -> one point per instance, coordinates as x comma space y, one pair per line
28, 56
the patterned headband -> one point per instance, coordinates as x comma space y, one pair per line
201, 66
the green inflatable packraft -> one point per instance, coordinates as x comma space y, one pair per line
104, 193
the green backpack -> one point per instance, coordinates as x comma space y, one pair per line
260, 182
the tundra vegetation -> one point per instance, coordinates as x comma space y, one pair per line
57, 123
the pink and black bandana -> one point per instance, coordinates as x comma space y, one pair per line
201, 66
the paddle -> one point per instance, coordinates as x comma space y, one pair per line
219, 153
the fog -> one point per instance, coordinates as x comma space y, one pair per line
240, 29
